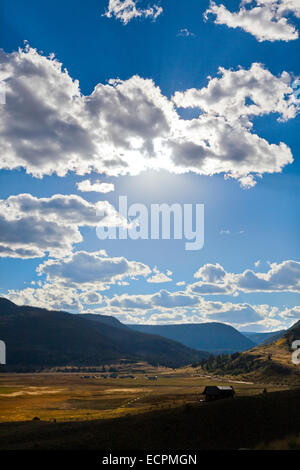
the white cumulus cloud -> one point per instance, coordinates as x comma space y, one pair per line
281, 277
91, 269
32, 237
265, 19
32, 226
80, 282
127, 10
127, 126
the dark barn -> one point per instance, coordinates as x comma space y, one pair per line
214, 392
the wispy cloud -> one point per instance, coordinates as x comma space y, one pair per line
229, 232
184, 32
97, 186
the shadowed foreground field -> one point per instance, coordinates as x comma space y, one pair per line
244, 422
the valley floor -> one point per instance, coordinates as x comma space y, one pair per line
86, 396
140, 414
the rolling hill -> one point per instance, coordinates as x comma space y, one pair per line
37, 338
266, 362
277, 335
216, 338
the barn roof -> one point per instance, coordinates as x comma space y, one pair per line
217, 388
225, 387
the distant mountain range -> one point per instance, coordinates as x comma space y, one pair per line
215, 338
259, 338
37, 338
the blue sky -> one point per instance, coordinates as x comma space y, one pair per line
48, 124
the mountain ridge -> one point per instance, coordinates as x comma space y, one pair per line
37, 337
214, 337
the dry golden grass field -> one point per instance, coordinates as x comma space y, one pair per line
69, 397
